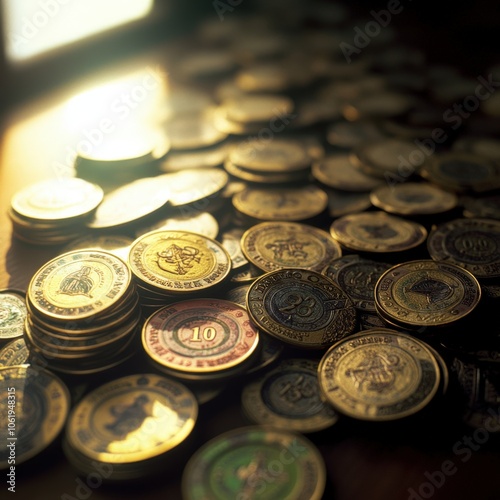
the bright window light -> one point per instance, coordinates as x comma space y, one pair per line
33, 27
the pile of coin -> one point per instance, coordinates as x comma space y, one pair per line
12, 315
54, 211
83, 313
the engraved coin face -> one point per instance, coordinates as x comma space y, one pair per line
378, 375
131, 419
278, 245
200, 337
285, 204
14, 353
79, 284
377, 232
179, 261
357, 277
289, 397
473, 244
235, 465
12, 315
301, 307
40, 404
426, 293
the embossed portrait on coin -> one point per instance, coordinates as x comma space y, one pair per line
78, 283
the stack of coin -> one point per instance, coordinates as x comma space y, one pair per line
131, 427
83, 313
200, 340
277, 161
379, 375
12, 314
39, 403
241, 463
168, 264
54, 211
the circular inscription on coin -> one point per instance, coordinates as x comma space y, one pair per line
426, 293
12, 315
378, 375
131, 419
473, 244
79, 284
377, 232
179, 261
286, 204
41, 403
278, 245
200, 336
300, 307
357, 277
14, 353
234, 465
289, 397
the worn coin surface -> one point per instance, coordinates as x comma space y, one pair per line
12, 314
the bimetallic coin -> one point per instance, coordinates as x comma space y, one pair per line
378, 375
132, 419
39, 403
302, 308
12, 315
357, 277
412, 198
200, 337
178, 261
377, 232
236, 465
285, 204
78, 285
113, 243
426, 293
473, 244
14, 353
288, 397
278, 245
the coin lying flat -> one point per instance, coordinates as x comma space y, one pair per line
300, 307
378, 375
377, 232
278, 245
342, 203
116, 244
473, 244
426, 293
236, 464
40, 403
288, 397
12, 314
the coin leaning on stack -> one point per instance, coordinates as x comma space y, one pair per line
83, 313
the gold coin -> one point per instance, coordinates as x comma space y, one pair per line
179, 261
264, 178
285, 204
193, 132
278, 245
342, 203
14, 353
12, 314
377, 232
426, 293
78, 285
256, 108
379, 375
113, 243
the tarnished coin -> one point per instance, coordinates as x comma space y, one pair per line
278, 245
113, 243
302, 308
236, 464
426, 293
288, 397
339, 173
57, 199
285, 204
79, 284
413, 198
14, 353
178, 261
132, 419
38, 403
377, 232
379, 375
196, 338
357, 277
473, 244
12, 315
